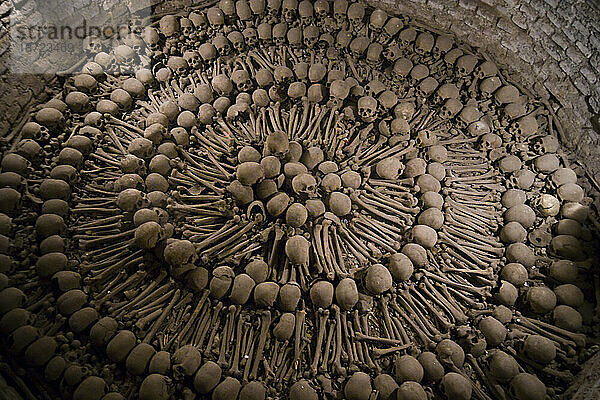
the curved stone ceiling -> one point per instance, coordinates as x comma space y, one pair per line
294, 200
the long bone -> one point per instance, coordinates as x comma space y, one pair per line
323, 317
240, 339
150, 335
265, 322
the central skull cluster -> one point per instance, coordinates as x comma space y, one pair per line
286, 179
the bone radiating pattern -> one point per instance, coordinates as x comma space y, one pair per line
293, 200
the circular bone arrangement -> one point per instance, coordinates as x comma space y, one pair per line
293, 200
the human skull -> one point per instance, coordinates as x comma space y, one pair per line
242, 80
356, 14
390, 29
265, 33
490, 141
237, 40
178, 65
311, 36
467, 115
93, 45
131, 200
488, 86
443, 44
222, 44
340, 7
169, 25
427, 87
407, 37
392, 52
280, 33
466, 64
306, 12
367, 108
250, 37
450, 108
124, 55
243, 11
545, 144
424, 43
524, 127
185, 361
305, 184
193, 59
289, 10
377, 20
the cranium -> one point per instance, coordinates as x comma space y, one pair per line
340, 7
490, 141
187, 27
273, 7
450, 108
178, 65
545, 144
294, 37
418, 73
242, 80
374, 87
466, 64
169, 25
35, 131
443, 44
265, 33
250, 37
445, 92
488, 86
407, 37
93, 44
283, 75
402, 67
186, 360
207, 51
377, 20
222, 85
311, 36
390, 29
152, 38
305, 185
392, 52
506, 94
524, 127
321, 9
193, 59
131, 200
289, 10
374, 53
356, 14
467, 115
451, 56
222, 44
280, 32
237, 40
306, 12
216, 18
258, 7
243, 11
124, 55
338, 91
426, 87
424, 43
367, 108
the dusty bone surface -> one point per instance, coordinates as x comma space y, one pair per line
294, 200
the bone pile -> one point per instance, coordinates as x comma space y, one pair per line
296, 201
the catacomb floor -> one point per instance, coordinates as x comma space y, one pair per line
302, 201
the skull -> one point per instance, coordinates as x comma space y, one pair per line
321, 9
265, 33
338, 91
545, 144
512, 111
222, 85
402, 67
374, 87
427, 87
425, 138
443, 44
221, 44
450, 108
343, 39
506, 94
93, 45
467, 115
152, 38
418, 73
356, 14
289, 10
392, 52
305, 185
445, 92
311, 36
237, 40
131, 164
424, 43
377, 20
407, 37
180, 255
178, 65
547, 205
283, 75
486, 69
136, 43
193, 59
250, 37
131, 200
207, 51
490, 141
199, 20
466, 64
280, 33
242, 80
294, 37
451, 56
359, 45
488, 86
216, 18
306, 12
367, 108
141, 147
273, 7
242, 9
186, 360
124, 55
374, 53
187, 27
391, 28
524, 127
169, 25
258, 7
340, 8
35, 131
